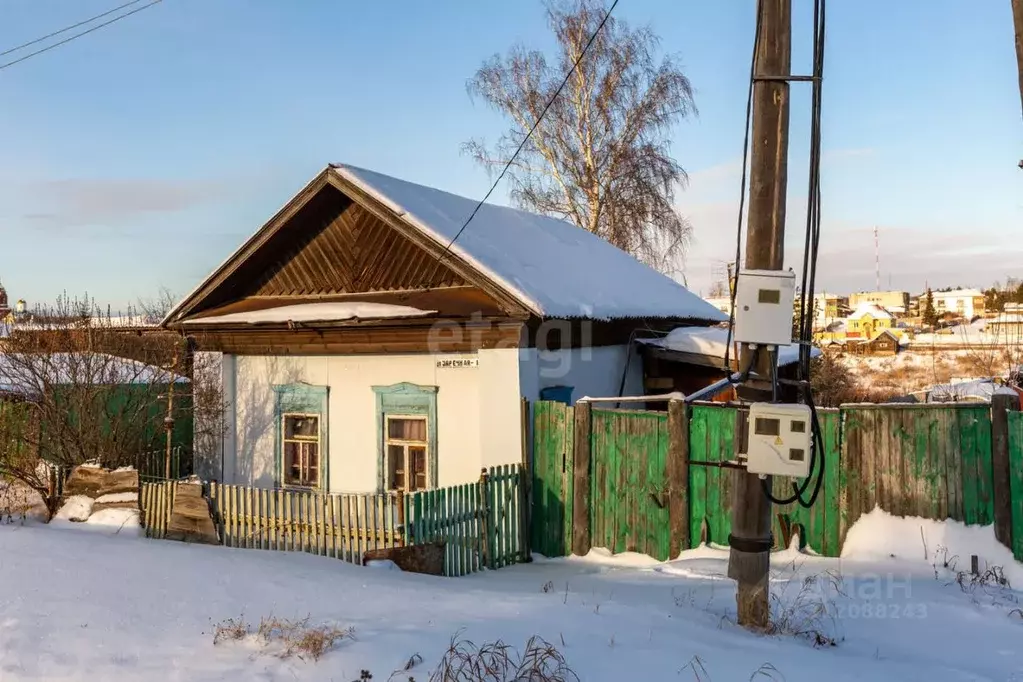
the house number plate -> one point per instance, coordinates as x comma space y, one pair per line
456, 363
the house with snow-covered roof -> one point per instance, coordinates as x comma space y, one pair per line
362, 347
867, 320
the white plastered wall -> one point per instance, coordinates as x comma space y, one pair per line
478, 413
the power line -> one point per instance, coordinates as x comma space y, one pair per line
77, 35
531, 130
68, 28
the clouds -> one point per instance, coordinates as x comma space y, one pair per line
920, 239
112, 202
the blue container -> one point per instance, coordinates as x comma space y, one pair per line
559, 394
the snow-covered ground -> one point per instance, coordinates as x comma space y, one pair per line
912, 371
102, 606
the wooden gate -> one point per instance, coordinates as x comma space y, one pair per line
629, 505
551, 514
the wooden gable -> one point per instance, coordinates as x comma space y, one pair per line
331, 243
346, 250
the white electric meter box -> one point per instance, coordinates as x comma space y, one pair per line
780, 439
764, 307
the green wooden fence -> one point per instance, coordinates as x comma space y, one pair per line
628, 482
711, 439
933, 461
552, 490
480, 523
1016, 482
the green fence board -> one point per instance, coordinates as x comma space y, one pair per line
711, 439
628, 482
551, 513
1016, 481
932, 461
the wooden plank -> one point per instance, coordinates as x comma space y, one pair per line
581, 480
831, 493
851, 467
985, 466
345, 520
1015, 451
526, 472
698, 446
970, 469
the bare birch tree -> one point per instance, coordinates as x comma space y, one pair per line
600, 156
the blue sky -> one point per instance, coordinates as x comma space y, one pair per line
140, 156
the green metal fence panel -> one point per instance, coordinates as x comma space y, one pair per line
711, 439
551, 514
628, 481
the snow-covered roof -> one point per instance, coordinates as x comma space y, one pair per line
553, 267
712, 342
316, 312
17, 373
979, 389
872, 309
881, 333
957, 293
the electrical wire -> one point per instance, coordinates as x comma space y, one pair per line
73, 37
529, 134
68, 28
810, 255
734, 285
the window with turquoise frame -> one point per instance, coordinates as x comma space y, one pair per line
406, 437
301, 450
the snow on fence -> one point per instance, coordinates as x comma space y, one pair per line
481, 524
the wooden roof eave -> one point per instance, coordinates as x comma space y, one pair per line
197, 325
242, 253
507, 300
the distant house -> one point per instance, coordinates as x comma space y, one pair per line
963, 303
828, 308
1007, 327
895, 302
867, 320
883, 342
363, 348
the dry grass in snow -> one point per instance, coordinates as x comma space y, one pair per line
283, 638
80, 606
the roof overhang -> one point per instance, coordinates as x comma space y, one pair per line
513, 301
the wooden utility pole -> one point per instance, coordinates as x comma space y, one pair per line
749, 560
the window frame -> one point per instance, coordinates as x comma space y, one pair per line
410, 400
317, 439
405, 445
302, 399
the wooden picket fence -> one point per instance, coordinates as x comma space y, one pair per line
342, 526
480, 523
155, 503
